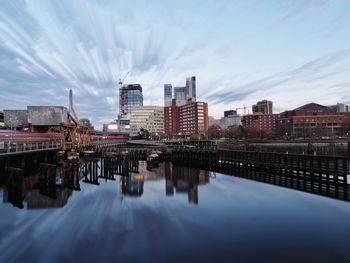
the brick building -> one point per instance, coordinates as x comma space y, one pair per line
190, 119
266, 123
314, 120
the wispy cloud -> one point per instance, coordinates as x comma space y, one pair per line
48, 47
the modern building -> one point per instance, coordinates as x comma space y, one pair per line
231, 118
87, 123
129, 96
190, 119
341, 107
191, 88
150, 118
260, 123
2, 123
180, 95
168, 94
264, 106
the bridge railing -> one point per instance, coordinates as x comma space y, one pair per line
21, 142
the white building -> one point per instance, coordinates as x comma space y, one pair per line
150, 118
232, 120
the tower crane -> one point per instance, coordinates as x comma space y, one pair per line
121, 81
243, 108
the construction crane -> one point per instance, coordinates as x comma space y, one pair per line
121, 81
243, 108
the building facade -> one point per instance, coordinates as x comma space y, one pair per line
150, 118
168, 94
261, 123
314, 121
190, 119
129, 96
180, 95
264, 107
171, 118
191, 88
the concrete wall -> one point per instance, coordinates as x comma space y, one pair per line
47, 115
15, 118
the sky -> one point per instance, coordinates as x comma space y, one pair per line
291, 52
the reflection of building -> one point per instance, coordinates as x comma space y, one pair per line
131, 187
150, 118
184, 180
264, 106
34, 199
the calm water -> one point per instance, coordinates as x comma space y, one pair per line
173, 214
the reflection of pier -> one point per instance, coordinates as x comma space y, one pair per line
184, 180
324, 174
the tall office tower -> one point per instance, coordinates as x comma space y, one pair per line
168, 94
180, 95
129, 95
264, 106
191, 88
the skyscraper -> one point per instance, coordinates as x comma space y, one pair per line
129, 95
180, 95
191, 88
264, 106
168, 94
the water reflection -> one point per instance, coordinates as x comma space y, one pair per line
54, 184
184, 180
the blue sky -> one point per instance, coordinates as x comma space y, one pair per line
289, 51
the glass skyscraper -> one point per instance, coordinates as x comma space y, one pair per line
191, 88
168, 94
129, 95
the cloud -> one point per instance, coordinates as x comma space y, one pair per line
49, 47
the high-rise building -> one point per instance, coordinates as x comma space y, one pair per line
180, 95
190, 119
150, 118
168, 94
129, 96
191, 88
264, 106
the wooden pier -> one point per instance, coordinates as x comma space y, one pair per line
326, 175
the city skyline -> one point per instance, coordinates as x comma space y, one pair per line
240, 52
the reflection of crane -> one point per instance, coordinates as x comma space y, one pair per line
121, 81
